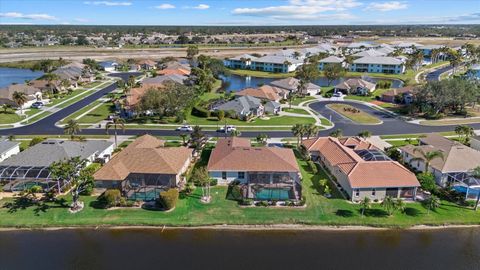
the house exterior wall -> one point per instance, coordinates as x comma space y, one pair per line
378, 68
234, 176
419, 165
12, 151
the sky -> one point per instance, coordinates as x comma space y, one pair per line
239, 12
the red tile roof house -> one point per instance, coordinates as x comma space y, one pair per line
399, 95
361, 169
265, 173
145, 168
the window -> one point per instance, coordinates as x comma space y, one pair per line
241, 175
374, 192
224, 175
357, 192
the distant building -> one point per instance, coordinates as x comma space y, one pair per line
108, 66
331, 60
388, 65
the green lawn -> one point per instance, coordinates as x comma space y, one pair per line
191, 212
98, 114
360, 117
446, 122
325, 122
400, 143
37, 117
302, 99
273, 121
9, 116
377, 92
81, 111
295, 110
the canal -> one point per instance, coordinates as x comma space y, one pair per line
214, 249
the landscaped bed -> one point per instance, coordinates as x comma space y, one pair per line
354, 114
190, 211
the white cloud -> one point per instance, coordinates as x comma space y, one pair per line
303, 10
107, 3
165, 6
18, 15
202, 6
387, 6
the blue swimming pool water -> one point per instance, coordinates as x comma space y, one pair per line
463, 189
272, 194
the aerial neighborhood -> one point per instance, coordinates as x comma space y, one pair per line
337, 130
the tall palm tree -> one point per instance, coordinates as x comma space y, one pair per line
427, 157
365, 134
365, 204
19, 98
432, 203
464, 132
389, 205
116, 123
297, 132
336, 133
72, 128
311, 130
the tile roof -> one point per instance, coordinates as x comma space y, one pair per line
332, 59
369, 53
360, 173
291, 84
236, 154
7, 92
7, 145
241, 105
146, 155
354, 83
263, 92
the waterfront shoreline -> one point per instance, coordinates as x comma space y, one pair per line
276, 227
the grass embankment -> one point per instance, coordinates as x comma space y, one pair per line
302, 99
9, 116
98, 114
447, 122
296, 110
28, 64
354, 114
191, 212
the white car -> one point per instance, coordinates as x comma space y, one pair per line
184, 128
338, 94
227, 129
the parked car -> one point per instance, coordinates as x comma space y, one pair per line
227, 129
37, 105
186, 128
338, 94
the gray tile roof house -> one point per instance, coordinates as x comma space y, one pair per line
50, 151
383, 60
7, 148
291, 84
272, 107
369, 53
161, 79
243, 106
332, 59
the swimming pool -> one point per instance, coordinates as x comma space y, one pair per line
471, 191
279, 194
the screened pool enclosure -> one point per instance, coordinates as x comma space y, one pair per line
19, 178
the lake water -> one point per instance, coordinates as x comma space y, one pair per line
17, 75
208, 249
236, 82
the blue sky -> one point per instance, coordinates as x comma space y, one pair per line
239, 12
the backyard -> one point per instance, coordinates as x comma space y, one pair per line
354, 114
191, 212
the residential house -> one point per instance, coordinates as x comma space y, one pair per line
8, 149
382, 64
147, 65
243, 107
75, 73
402, 95
180, 79
355, 86
108, 66
428, 49
243, 61
361, 169
264, 173
33, 94
360, 46
44, 86
407, 47
331, 60
264, 92
31, 167
291, 85
272, 107
145, 168
458, 160
174, 68
276, 63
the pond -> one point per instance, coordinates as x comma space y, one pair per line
235, 82
437, 249
17, 75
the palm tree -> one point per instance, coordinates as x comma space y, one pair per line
400, 205
365, 204
432, 203
389, 205
311, 130
184, 138
235, 133
464, 132
298, 131
427, 157
72, 128
365, 134
19, 98
116, 122
476, 174
336, 133
11, 137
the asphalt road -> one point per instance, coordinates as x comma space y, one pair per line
391, 125
435, 75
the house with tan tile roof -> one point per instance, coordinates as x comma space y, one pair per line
145, 168
264, 92
265, 173
361, 169
457, 162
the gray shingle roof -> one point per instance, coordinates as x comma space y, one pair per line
291, 84
161, 79
331, 59
277, 59
241, 105
50, 151
378, 60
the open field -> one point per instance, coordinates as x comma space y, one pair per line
191, 212
360, 116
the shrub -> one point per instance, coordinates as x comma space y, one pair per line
110, 198
262, 203
35, 141
200, 112
168, 199
236, 192
312, 166
303, 201
427, 180
246, 201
